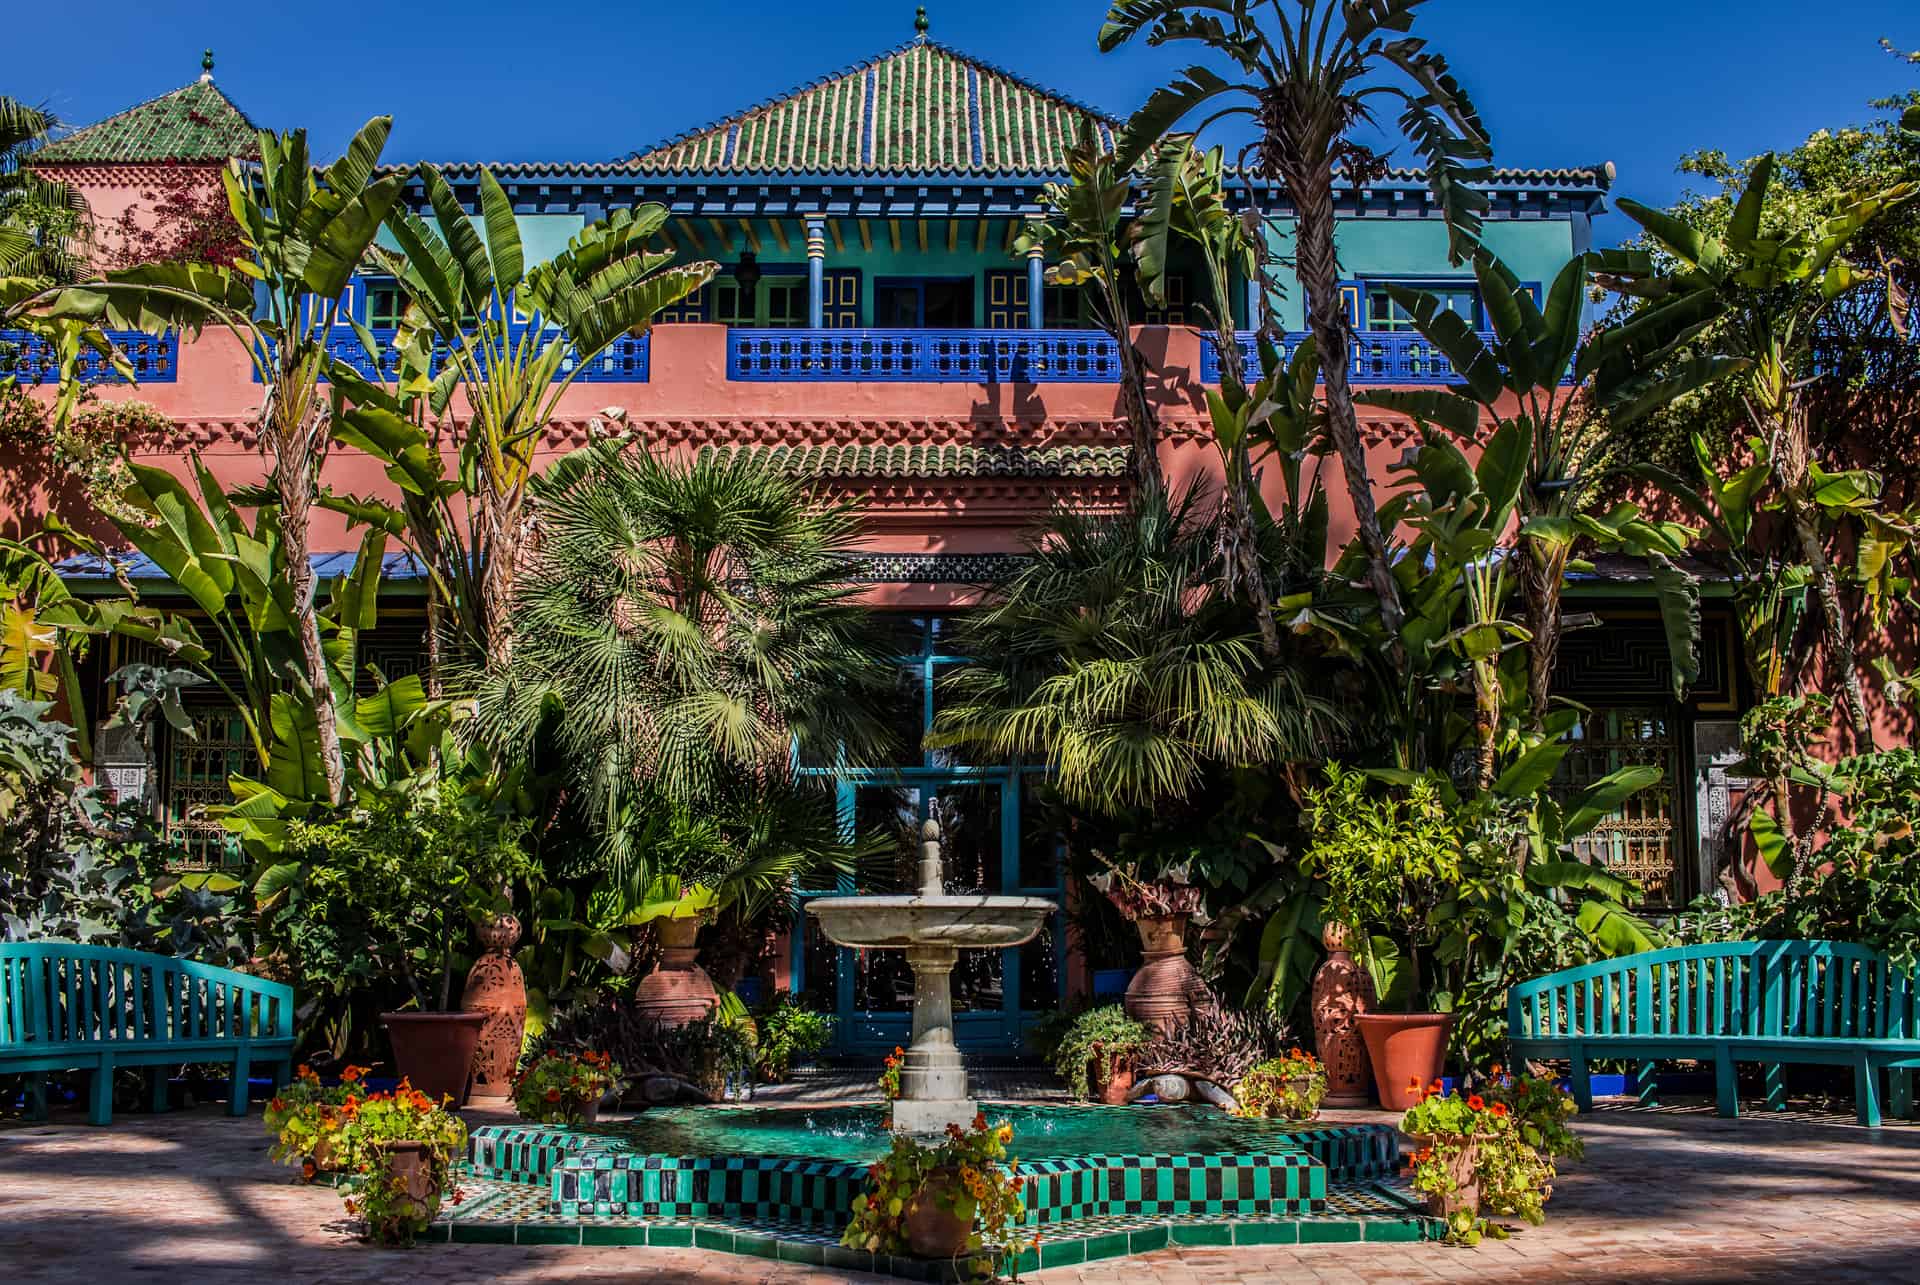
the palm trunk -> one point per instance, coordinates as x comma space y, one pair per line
1243, 559
1312, 190
1835, 626
293, 470
1542, 585
500, 514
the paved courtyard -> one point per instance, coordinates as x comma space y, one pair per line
1675, 1195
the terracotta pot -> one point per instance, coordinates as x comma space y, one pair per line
434, 1051
678, 991
933, 1229
1342, 991
1408, 1052
1115, 1071
410, 1164
1161, 992
1465, 1196
496, 988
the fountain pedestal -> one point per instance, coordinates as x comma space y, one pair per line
933, 1079
932, 928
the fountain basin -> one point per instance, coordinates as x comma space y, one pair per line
962, 923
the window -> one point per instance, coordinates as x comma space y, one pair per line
1385, 313
923, 303
385, 304
773, 301
1065, 308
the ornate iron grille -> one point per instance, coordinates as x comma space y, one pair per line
197, 772
1641, 841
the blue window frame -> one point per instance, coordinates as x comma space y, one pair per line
993, 843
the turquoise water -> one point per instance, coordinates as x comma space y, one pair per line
854, 1133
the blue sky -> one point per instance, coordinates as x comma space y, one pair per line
1637, 82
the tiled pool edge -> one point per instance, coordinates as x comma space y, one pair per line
1399, 1221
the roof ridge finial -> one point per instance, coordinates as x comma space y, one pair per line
920, 23
206, 67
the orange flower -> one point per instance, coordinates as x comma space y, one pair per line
352, 1208
308, 1169
1476, 1103
278, 1104
898, 1051
553, 1095
1413, 1084
979, 1120
1496, 1070
352, 1073
1500, 1110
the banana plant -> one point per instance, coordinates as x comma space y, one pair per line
1082, 236
1516, 382
1767, 296
462, 294
306, 231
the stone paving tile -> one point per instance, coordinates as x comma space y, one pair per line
1674, 1195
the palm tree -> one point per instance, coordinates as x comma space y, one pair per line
37, 215
461, 292
306, 231
1118, 658
694, 623
1082, 237
1306, 78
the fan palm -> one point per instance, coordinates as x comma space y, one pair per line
1118, 657
1307, 77
695, 623
37, 215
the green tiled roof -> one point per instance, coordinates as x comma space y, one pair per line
197, 123
919, 109
849, 460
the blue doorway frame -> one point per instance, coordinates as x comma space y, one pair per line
1031, 979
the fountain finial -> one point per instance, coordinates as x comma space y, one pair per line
933, 879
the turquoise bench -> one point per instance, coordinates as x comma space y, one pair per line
66, 1007
1771, 1002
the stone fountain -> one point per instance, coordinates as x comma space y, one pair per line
932, 928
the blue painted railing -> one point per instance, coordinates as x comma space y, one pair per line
628, 361
30, 359
923, 356
1375, 357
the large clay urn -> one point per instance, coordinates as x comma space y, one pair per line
1161, 992
679, 990
1342, 991
495, 987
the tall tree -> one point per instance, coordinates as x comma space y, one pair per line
39, 217
1306, 73
306, 231
462, 294
1084, 239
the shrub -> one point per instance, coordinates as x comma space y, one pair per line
560, 1088
1110, 1029
1285, 1088
789, 1031
1215, 1043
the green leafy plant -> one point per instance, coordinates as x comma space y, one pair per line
311, 1123
558, 1088
1493, 1152
1283, 1088
396, 1204
1096, 1036
968, 1174
889, 1082
790, 1031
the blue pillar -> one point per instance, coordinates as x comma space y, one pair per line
1036, 289
816, 272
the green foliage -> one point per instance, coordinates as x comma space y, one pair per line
1101, 1032
558, 1087
384, 894
1283, 1088
790, 1031
40, 217
967, 1175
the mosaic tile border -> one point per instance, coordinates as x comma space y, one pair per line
508, 1214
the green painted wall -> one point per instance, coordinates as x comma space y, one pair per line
541, 235
1536, 250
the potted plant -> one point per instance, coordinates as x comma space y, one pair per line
956, 1197
308, 1120
1098, 1051
1493, 1151
404, 1146
790, 1032
1389, 855
1162, 989
565, 1088
1283, 1088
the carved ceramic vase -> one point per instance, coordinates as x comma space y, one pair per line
1342, 991
496, 988
1161, 992
679, 990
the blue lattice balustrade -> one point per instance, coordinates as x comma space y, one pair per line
923, 356
627, 361
1376, 357
30, 359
